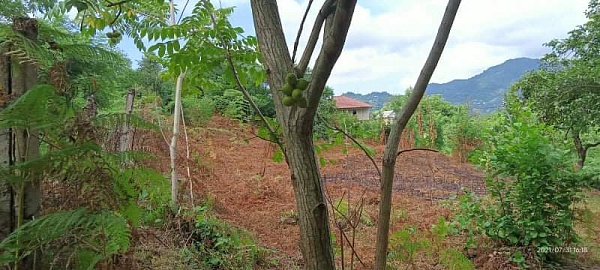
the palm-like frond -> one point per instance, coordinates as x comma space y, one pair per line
90, 230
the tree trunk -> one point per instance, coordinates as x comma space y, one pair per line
391, 148
126, 133
7, 214
24, 77
297, 123
173, 145
176, 124
20, 202
581, 149
315, 243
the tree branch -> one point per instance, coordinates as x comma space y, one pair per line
237, 79
336, 208
324, 12
416, 149
262, 138
330, 52
300, 30
110, 4
116, 17
390, 153
590, 145
422, 81
353, 140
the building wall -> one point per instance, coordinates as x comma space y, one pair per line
360, 113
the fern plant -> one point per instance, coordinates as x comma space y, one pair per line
101, 204
102, 225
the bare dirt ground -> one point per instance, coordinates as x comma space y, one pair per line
235, 169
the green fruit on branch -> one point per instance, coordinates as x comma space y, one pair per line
296, 94
287, 89
302, 103
288, 101
114, 34
302, 84
291, 79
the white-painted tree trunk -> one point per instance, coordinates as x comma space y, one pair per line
176, 120
173, 145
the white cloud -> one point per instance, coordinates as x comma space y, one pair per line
389, 40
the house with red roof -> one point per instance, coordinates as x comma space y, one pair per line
352, 106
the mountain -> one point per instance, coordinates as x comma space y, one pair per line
485, 91
377, 99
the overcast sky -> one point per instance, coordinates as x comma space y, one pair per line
389, 40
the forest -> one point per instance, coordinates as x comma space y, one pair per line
224, 150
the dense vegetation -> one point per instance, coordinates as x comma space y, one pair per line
80, 185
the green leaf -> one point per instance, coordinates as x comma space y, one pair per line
170, 48
133, 213
161, 50
322, 161
278, 156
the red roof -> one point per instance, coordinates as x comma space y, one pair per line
342, 102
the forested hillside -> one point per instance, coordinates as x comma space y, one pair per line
483, 92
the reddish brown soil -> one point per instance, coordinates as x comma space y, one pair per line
234, 168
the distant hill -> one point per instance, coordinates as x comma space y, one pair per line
484, 92
377, 99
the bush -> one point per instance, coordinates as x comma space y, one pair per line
410, 245
358, 129
232, 104
533, 184
198, 111
464, 134
221, 246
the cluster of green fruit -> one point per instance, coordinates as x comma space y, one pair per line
114, 34
113, 37
292, 89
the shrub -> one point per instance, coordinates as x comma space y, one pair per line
411, 245
533, 184
221, 246
198, 111
232, 104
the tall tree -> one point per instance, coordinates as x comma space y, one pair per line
391, 153
334, 19
23, 201
566, 92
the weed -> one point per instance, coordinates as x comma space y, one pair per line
453, 259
